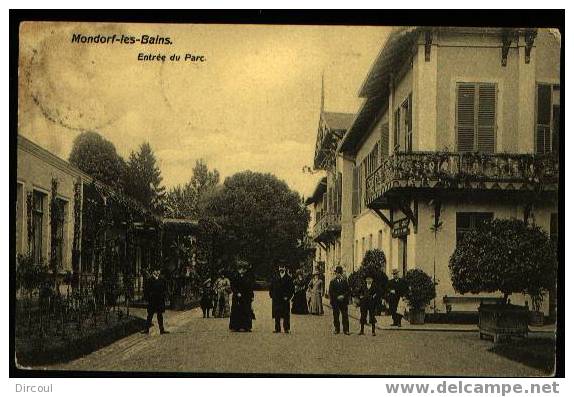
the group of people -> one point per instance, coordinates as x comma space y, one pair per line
306, 298
215, 296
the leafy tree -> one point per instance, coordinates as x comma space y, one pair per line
505, 255
143, 179
97, 157
261, 219
184, 201
375, 259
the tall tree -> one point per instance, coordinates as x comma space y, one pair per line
184, 201
263, 220
143, 178
97, 157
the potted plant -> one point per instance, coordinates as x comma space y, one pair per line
507, 256
421, 291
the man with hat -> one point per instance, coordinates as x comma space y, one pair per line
396, 291
368, 298
339, 293
281, 292
155, 291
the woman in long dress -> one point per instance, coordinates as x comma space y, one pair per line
222, 290
241, 311
300, 296
317, 290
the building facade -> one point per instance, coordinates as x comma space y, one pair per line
46, 184
458, 125
330, 210
84, 228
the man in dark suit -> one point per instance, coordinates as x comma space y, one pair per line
154, 293
368, 299
281, 292
339, 293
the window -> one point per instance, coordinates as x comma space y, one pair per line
19, 216
362, 247
547, 118
403, 255
467, 221
372, 160
554, 226
476, 117
370, 241
380, 240
38, 199
58, 242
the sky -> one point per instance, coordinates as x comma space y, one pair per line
252, 104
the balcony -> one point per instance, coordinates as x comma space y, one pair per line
453, 172
327, 227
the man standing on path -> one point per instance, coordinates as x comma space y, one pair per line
154, 293
281, 292
339, 298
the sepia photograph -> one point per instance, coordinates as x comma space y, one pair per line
279, 199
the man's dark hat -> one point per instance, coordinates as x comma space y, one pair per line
339, 269
242, 265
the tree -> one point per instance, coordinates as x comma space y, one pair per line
505, 255
97, 157
184, 201
143, 179
261, 219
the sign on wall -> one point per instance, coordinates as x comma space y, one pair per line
400, 228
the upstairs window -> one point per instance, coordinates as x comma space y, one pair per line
403, 133
547, 118
476, 117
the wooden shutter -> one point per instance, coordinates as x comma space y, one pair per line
486, 123
409, 122
544, 108
465, 114
355, 190
385, 140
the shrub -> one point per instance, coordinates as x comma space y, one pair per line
421, 289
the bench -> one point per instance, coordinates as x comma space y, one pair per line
449, 301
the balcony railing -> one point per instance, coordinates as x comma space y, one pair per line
463, 171
327, 226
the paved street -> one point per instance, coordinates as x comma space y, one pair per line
206, 345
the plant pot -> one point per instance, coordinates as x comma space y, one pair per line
502, 321
536, 318
416, 316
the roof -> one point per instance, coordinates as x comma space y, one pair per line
180, 225
318, 193
336, 124
338, 120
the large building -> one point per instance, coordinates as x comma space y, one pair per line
457, 125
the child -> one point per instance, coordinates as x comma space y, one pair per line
206, 297
368, 298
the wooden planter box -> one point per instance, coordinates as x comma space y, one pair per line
502, 321
536, 318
